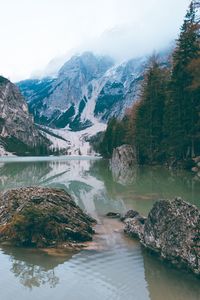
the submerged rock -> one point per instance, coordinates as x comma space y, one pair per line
172, 230
123, 164
196, 167
113, 215
130, 214
42, 217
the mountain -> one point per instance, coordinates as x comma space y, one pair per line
87, 89
119, 89
18, 134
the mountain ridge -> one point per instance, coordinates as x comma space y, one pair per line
85, 80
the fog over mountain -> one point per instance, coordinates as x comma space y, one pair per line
46, 30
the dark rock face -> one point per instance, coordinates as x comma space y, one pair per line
17, 130
111, 95
123, 164
172, 229
42, 217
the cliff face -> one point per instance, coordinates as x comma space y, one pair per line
18, 134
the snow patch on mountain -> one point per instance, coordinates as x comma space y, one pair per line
74, 143
88, 112
77, 142
3, 152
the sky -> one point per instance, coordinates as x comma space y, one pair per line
36, 32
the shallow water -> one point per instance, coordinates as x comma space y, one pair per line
117, 267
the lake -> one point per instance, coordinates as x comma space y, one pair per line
118, 268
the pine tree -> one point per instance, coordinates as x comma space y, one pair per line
107, 145
149, 116
115, 135
165, 124
181, 104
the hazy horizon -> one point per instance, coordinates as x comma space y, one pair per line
37, 32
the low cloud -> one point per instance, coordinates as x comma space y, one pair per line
139, 32
34, 32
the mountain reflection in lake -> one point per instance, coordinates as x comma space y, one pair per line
118, 270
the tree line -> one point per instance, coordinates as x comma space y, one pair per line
164, 123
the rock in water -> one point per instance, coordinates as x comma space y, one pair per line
113, 215
172, 229
134, 225
123, 164
196, 167
42, 217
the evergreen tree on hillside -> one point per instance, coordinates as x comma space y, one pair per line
182, 104
116, 134
130, 123
149, 116
109, 139
164, 125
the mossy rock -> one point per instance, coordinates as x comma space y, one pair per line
42, 217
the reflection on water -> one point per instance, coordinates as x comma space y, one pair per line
25, 267
124, 176
118, 270
171, 284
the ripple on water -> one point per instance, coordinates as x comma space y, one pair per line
115, 267
109, 273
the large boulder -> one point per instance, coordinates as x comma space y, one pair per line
172, 230
123, 164
42, 217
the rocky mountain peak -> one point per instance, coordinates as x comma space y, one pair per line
88, 64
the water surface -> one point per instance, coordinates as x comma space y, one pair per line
119, 268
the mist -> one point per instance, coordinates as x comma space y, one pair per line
148, 28
39, 36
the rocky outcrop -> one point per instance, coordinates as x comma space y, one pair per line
172, 230
18, 133
123, 164
42, 217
